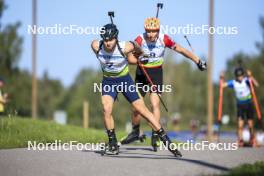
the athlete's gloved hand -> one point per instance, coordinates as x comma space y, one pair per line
202, 65
136, 54
143, 59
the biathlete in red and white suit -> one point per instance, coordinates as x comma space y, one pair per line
153, 44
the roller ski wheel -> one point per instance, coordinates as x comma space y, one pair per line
133, 137
176, 153
142, 138
155, 148
155, 142
110, 150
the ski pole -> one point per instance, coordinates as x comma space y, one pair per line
189, 43
111, 14
159, 6
255, 101
220, 104
151, 83
220, 100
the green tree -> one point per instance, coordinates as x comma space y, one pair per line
18, 82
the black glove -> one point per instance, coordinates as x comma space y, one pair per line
143, 60
202, 65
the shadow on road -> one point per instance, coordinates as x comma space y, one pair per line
141, 148
126, 153
203, 163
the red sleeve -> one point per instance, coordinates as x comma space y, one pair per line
168, 41
139, 40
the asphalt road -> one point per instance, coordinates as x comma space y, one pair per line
132, 160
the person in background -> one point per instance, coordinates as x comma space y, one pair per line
245, 107
3, 97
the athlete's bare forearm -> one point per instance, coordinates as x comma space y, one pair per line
186, 53
95, 46
255, 82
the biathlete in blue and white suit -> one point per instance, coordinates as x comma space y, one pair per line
114, 57
245, 108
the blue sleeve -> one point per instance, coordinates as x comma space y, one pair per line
247, 81
230, 84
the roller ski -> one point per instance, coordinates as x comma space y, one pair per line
167, 142
251, 143
240, 143
176, 152
133, 136
110, 149
155, 142
130, 138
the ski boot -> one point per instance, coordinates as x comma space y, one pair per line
252, 141
155, 141
167, 142
110, 149
132, 136
240, 143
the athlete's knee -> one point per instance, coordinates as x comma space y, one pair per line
139, 106
240, 123
107, 108
250, 123
155, 104
240, 126
135, 113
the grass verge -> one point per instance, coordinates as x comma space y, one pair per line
15, 132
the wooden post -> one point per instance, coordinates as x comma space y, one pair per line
210, 100
85, 114
34, 107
